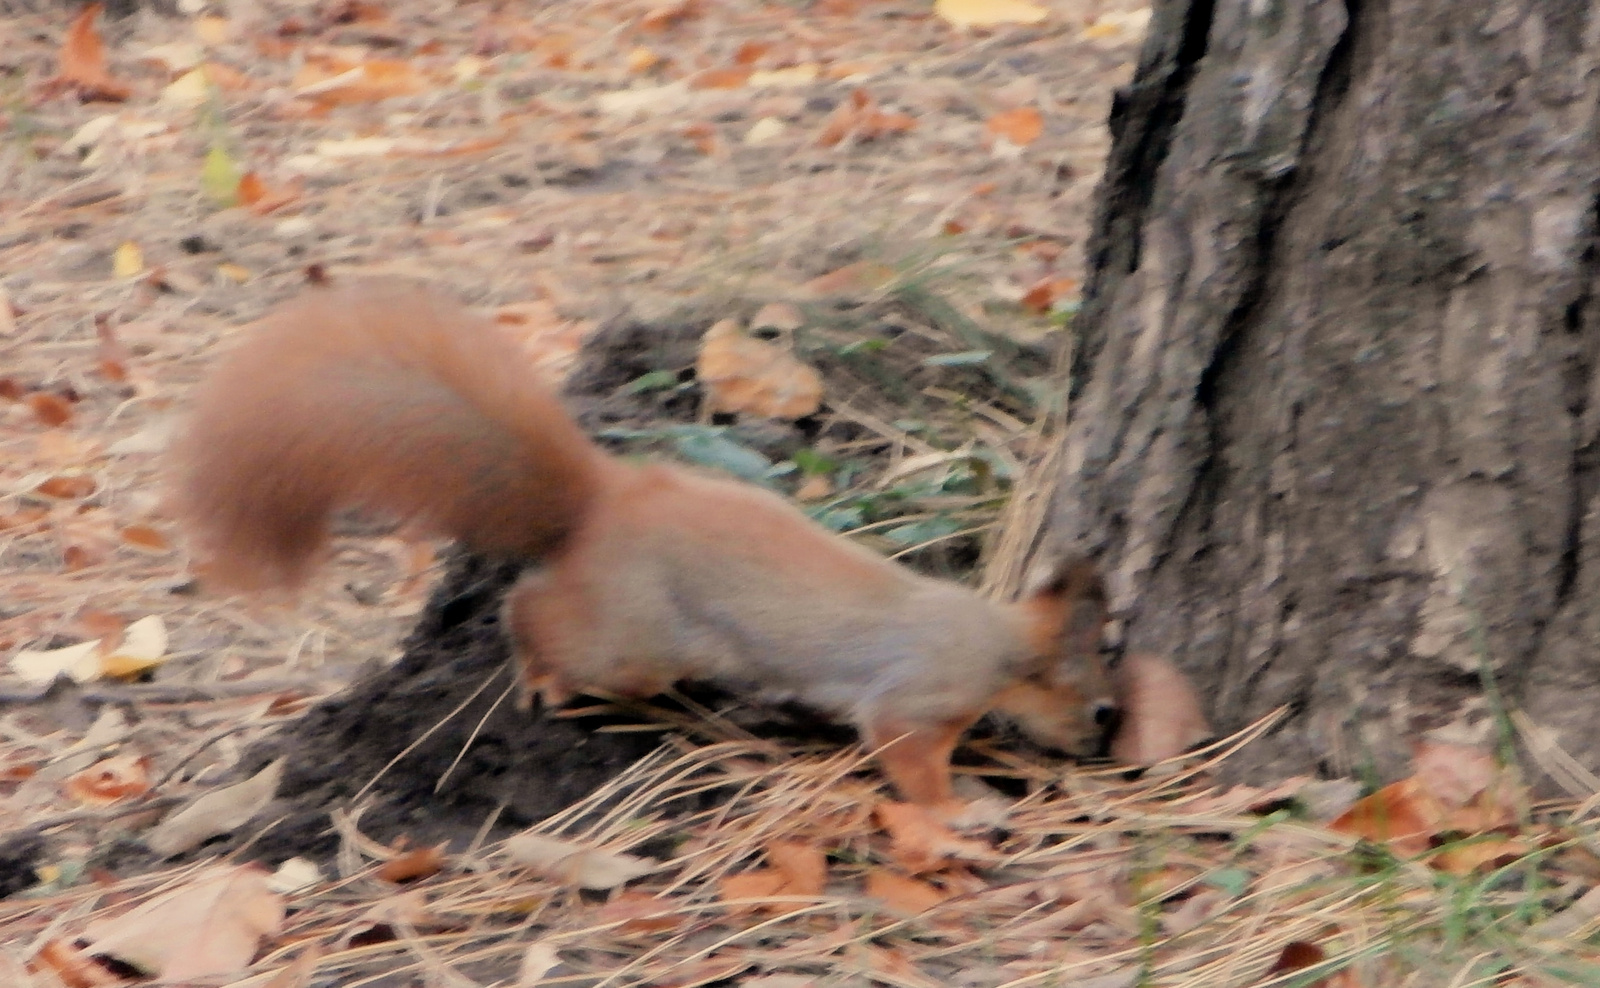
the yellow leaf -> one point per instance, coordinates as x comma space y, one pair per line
143, 646
212, 30
219, 177
237, 273
984, 13
188, 90
127, 261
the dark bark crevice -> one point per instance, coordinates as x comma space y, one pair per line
1144, 115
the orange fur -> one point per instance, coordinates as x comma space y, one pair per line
387, 397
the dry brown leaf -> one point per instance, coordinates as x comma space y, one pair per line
903, 895
1453, 773
73, 967
920, 843
1474, 854
719, 78
803, 866
859, 278
574, 864
1402, 815
67, 487
51, 409
1161, 715
217, 812
386, 920
110, 780
211, 926
334, 80
669, 15
861, 119
1046, 292
417, 863
742, 374
641, 912
1021, 126
82, 62
144, 537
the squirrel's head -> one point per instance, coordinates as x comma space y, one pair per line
1065, 701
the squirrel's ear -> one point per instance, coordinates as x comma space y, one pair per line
1065, 601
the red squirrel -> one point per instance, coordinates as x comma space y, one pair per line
386, 396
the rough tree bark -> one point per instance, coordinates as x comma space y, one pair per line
1334, 423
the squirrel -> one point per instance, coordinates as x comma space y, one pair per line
385, 396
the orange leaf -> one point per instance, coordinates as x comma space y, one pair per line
72, 966
144, 537
669, 15
51, 409
641, 912
1044, 293
110, 780
10, 390
762, 883
79, 557
67, 487
719, 79
803, 866
1401, 815
908, 896
852, 279
417, 863
332, 80
83, 61
742, 374
23, 517
1021, 126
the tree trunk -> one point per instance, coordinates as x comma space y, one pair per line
1333, 432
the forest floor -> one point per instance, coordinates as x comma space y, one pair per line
914, 196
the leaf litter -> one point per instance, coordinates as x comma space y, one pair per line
908, 185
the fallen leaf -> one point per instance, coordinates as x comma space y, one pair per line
110, 780
80, 663
1021, 126
190, 90
51, 409
814, 488
334, 80
641, 912
73, 967
1401, 815
210, 926
742, 374
144, 537
82, 61
669, 15
1042, 297
217, 812
219, 177
907, 896
537, 961
860, 277
389, 920
920, 843
987, 13
416, 863
575, 864
294, 875
1118, 26
719, 79
67, 487
860, 118
111, 359
127, 260
143, 646
1161, 715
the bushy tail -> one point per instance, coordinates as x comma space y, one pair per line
383, 396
